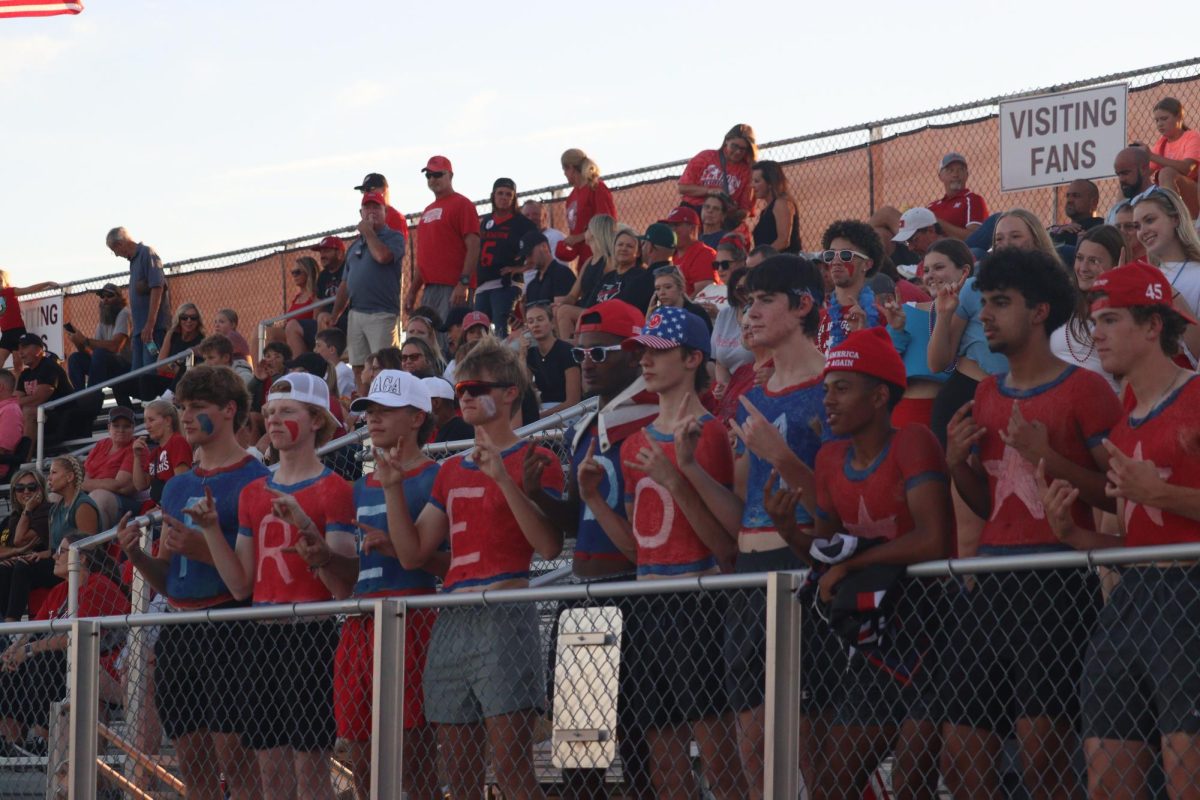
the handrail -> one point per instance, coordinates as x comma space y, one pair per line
187, 355
266, 323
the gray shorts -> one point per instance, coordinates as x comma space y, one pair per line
437, 297
484, 662
1141, 674
366, 333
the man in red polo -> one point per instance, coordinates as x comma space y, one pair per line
693, 257
960, 211
374, 182
449, 250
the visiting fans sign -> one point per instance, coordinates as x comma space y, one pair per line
43, 316
1056, 138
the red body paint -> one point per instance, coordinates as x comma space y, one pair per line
293, 428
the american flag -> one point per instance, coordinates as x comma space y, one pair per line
38, 8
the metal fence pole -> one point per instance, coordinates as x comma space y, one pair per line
83, 690
41, 436
73, 565
387, 711
781, 769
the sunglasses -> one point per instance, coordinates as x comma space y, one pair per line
661, 271
594, 354
1153, 190
723, 264
844, 256
107, 295
477, 388
406, 357
434, 174
25, 487
193, 317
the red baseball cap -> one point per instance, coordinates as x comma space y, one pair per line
330, 243
1136, 284
474, 318
868, 352
681, 215
437, 164
373, 197
612, 316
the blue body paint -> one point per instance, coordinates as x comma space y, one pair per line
206, 424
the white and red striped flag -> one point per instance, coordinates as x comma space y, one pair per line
38, 8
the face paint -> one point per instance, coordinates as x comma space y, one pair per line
293, 428
488, 406
206, 424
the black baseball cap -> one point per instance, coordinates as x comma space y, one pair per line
372, 182
31, 339
120, 412
507, 183
108, 288
529, 241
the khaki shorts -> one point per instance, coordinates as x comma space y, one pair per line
367, 333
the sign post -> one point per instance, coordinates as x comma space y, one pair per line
1055, 138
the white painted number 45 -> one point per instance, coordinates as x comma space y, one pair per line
1154, 292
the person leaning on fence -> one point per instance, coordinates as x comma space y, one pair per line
669, 531
780, 426
33, 669
149, 296
24, 539
1141, 674
613, 376
449, 232
109, 469
499, 270
485, 674
285, 521
106, 355
171, 456
200, 669
398, 414
1014, 655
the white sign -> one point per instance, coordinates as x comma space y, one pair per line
1056, 138
44, 317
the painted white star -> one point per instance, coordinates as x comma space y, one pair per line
1015, 476
868, 528
1155, 514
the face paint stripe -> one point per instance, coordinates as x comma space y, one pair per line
206, 424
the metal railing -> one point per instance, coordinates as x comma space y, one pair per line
270, 322
187, 356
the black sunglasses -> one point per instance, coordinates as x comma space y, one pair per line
434, 174
190, 317
723, 264
478, 388
594, 354
25, 487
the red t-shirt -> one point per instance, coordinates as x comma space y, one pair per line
396, 221
167, 456
10, 310
282, 577
583, 203
487, 544
696, 264
705, 170
962, 208
298, 303
441, 248
1078, 408
104, 462
98, 597
667, 545
1184, 148
873, 503
1169, 437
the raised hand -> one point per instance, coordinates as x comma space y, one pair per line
589, 474
204, 512
389, 466
946, 301
487, 456
893, 312
287, 509
855, 319
961, 434
687, 435
533, 468
759, 435
653, 461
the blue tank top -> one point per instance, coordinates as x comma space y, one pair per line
974, 344
378, 573
912, 344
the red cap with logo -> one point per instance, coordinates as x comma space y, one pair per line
681, 215
1136, 284
373, 197
868, 352
476, 318
437, 164
330, 243
612, 316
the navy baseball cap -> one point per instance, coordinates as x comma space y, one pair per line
529, 241
667, 327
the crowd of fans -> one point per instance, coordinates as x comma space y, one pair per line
934, 383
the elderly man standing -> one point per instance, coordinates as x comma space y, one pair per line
149, 298
107, 354
371, 288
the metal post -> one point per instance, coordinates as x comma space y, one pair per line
387, 711
73, 566
875, 135
84, 691
137, 653
41, 436
781, 769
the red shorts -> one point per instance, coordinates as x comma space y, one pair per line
912, 409
352, 673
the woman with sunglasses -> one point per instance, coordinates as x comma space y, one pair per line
1165, 229
779, 219
555, 374
185, 332
1175, 157
300, 331
725, 170
25, 537
417, 357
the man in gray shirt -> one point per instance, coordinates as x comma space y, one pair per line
149, 301
107, 354
370, 289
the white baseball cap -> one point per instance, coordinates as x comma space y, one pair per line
439, 387
303, 387
912, 221
395, 389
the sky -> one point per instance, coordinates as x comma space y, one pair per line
209, 126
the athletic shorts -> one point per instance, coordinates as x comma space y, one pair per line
353, 673
1141, 676
290, 677
11, 338
1016, 650
369, 332
484, 661
200, 677
308, 328
676, 672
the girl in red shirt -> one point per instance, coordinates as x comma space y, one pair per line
12, 324
589, 197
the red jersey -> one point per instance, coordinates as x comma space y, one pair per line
10, 310
396, 221
283, 577
873, 503
166, 457
1169, 436
667, 545
441, 237
486, 543
962, 208
583, 203
1079, 409
734, 178
299, 303
696, 264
